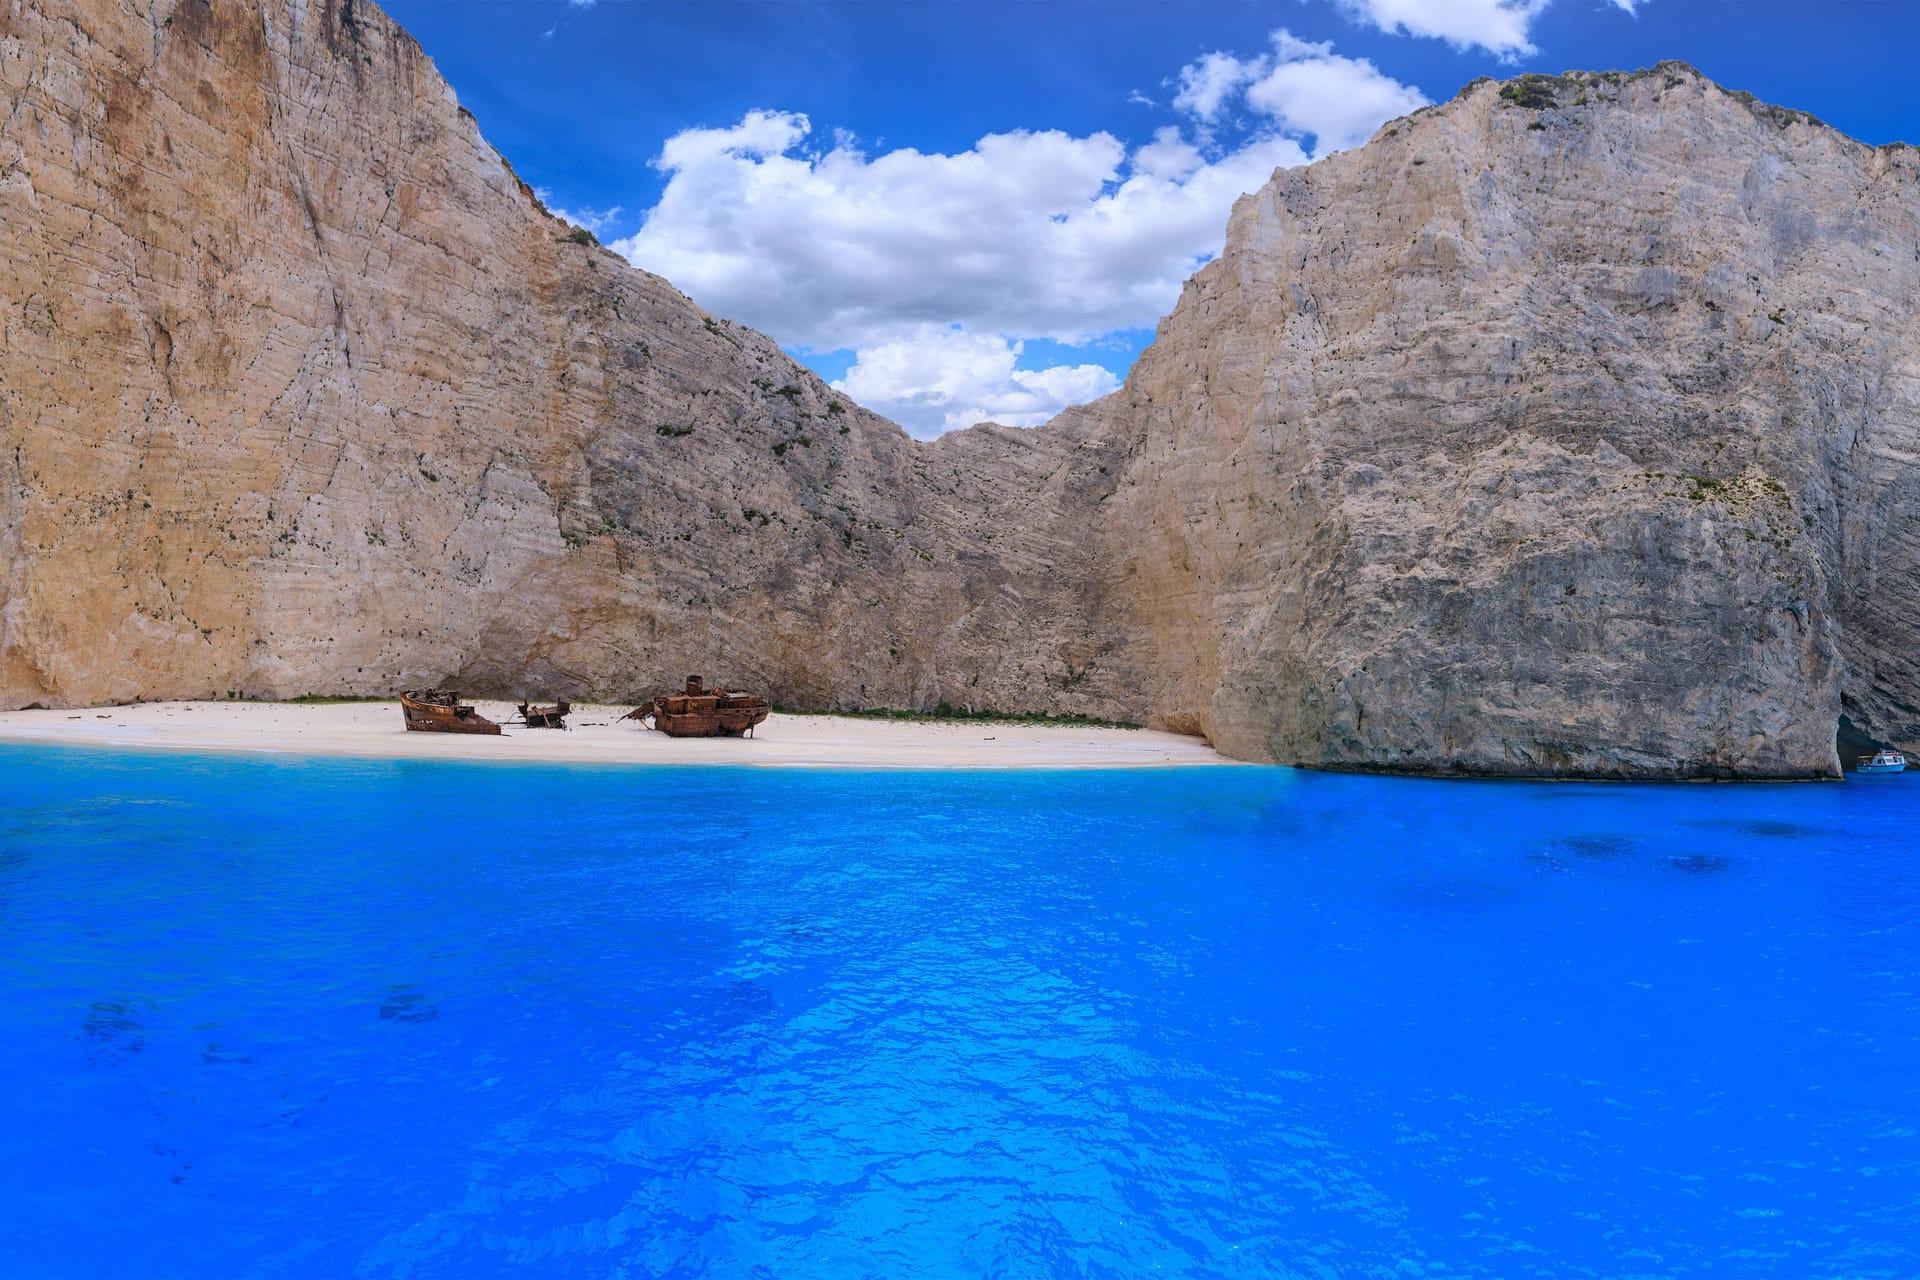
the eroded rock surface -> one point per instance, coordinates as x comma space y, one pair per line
1561, 430
305, 394
1575, 437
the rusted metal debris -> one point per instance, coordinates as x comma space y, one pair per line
699, 712
441, 711
554, 717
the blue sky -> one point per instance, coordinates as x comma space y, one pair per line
957, 211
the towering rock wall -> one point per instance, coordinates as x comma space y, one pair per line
1568, 429
303, 393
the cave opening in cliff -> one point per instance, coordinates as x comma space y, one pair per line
1851, 742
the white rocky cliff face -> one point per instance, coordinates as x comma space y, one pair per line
1565, 428
1568, 435
304, 394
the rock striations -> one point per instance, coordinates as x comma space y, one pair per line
305, 394
1567, 428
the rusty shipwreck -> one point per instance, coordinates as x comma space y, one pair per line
441, 711
699, 712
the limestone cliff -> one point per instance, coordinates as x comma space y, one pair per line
305, 394
1565, 428
1569, 427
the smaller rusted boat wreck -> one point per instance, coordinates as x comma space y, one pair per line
441, 711
699, 712
554, 717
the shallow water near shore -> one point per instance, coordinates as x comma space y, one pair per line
337, 1017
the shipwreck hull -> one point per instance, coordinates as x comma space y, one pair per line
701, 713
437, 711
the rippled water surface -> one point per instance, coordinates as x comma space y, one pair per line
334, 1018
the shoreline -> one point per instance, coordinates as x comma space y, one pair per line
374, 730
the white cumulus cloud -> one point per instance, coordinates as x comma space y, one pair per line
1206, 85
940, 379
1501, 27
933, 268
1028, 234
1340, 101
1301, 89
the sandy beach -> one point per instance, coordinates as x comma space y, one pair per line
597, 735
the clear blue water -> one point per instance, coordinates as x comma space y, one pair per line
334, 1018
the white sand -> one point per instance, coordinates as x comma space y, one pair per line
375, 730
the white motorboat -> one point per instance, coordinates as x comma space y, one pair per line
1882, 762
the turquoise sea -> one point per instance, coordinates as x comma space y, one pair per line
282, 1017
